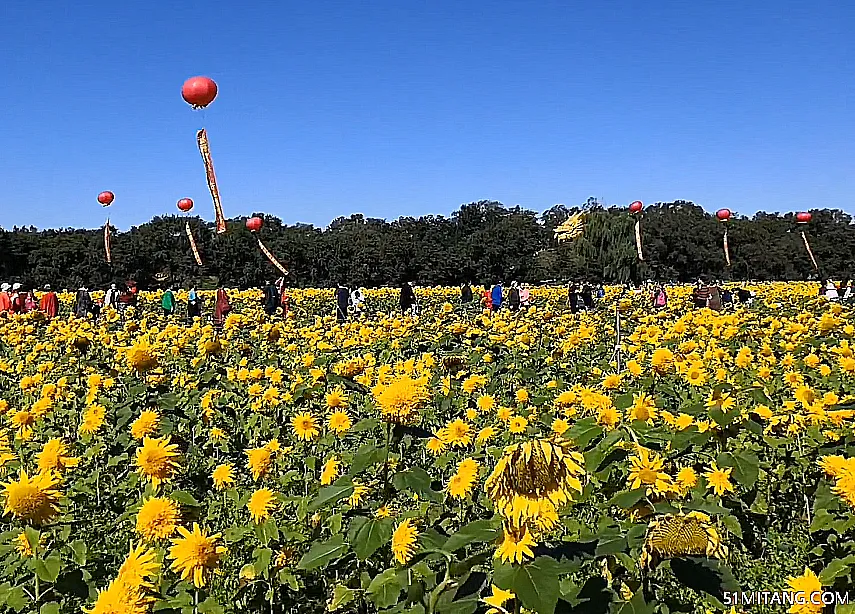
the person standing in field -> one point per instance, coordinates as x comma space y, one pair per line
496, 296
407, 300
194, 304
714, 298
700, 295
660, 298
466, 293
49, 303
342, 302
111, 297
357, 299
168, 302
222, 307
525, 297
271, 299
5, 300
514, 297
82, 303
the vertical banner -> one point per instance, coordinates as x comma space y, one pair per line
205, 150
809, 250
638, 239
193, 244
107, 240
726, 248
271, 257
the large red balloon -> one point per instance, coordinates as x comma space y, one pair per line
199, 91
803, 217
106, 198
254, 224
636, 206
185, 204
723, 215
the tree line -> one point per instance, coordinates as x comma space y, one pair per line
482, 242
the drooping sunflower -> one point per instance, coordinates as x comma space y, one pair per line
681, 535
157, 460
516, 545
33, 499
401, 399
534, 472
404, 541
158, 518
195, 554
146, 424
53, 457
259, 461
330, 471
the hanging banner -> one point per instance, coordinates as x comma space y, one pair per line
193, 244
205, 150
726, 248
638, 239
809, 250
271, 257
107, 240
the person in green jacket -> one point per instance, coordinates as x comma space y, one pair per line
168, 302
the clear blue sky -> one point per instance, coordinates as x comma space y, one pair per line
408, 108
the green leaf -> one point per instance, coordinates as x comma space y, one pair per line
385, 588
49, 608
322, 553
732, 524
342, 489
418, 481
835, 569
262, 559
478, 531
16, 598
367, 455
628, 498
367, 535
48, 569
210, 606
746, 466
636, 605
341, 597
536, 584
706, 575
611, 545
583, 431
185, 498
79, 551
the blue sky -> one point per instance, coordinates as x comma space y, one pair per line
409, 108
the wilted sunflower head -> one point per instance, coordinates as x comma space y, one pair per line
534, 477
681, 535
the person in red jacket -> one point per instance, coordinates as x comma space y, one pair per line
5, 300
49, 303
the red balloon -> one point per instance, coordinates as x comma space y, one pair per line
803, 217
254, 224
723, 215
636, 206
199, 91
106, 198
185, 204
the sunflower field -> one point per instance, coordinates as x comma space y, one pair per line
459, 461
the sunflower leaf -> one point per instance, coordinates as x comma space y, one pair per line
322, 553
367, 535
535, 584
342, 488
478, 531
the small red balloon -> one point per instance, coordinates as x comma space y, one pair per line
254, 224
636, 206
803, 217
106, 198
723, 215
199, 92
185, 204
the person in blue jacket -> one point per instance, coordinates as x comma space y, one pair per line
496, 296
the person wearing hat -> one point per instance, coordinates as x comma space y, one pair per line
17, 298
49, 303
5, 299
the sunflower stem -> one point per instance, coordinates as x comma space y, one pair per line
386, 464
